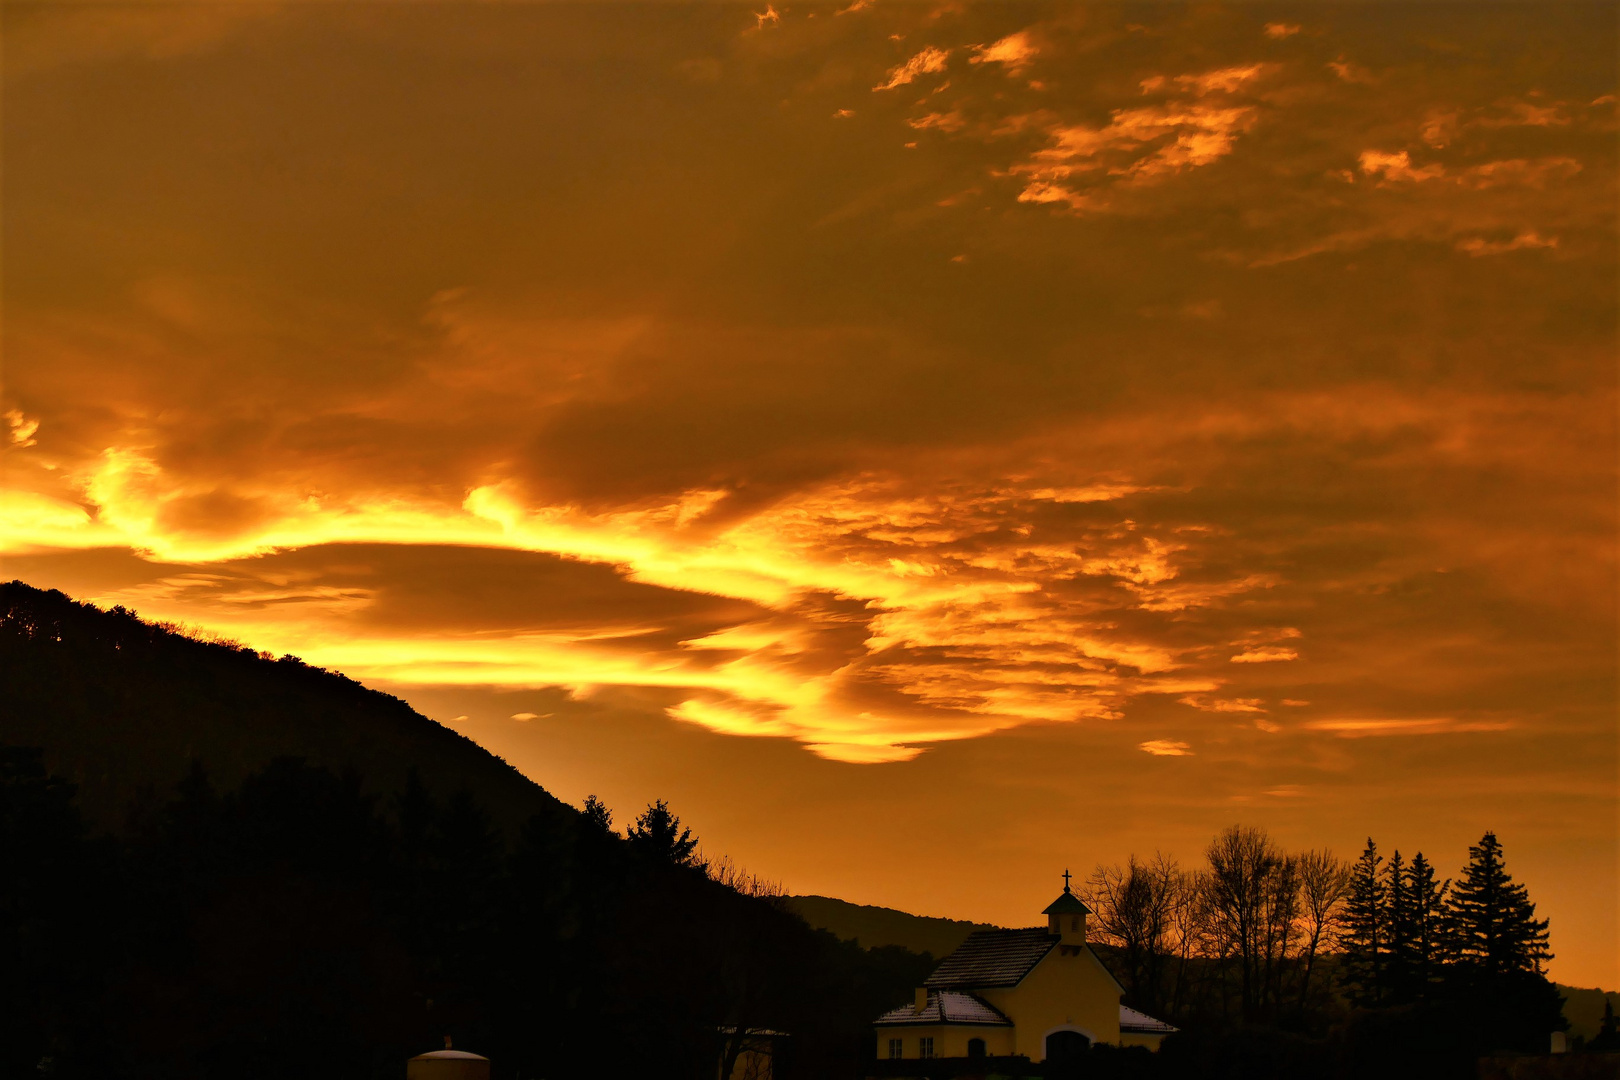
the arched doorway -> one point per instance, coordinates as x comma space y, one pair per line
975, 1048
1066, 1048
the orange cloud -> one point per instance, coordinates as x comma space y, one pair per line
1265, 654
930, 61
1015, 52
1478, 245
1360, 729
1166, 748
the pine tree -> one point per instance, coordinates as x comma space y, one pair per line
1399, 931
658, 833
1427, 947
1366, 931
1494, 927
1607, 1040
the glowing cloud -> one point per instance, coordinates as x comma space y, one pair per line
22, 429
930, 61
1370, 728
1015, 52
1265, 654
1397, 167
1478, 245
1166, 748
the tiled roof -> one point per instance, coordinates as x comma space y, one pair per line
948, 1007
1142, 1023
993, 958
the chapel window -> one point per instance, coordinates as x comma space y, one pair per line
896, 1048
925, 1046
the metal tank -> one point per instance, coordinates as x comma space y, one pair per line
447, 1064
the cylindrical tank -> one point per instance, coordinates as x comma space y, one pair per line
447, 1065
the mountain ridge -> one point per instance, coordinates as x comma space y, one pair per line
122, 707
871, 926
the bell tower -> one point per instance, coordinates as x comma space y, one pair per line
1066, 918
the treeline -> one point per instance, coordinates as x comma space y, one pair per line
1241, 939
1375, 960
299, 925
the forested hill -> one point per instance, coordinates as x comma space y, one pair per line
319, 881
120, 705
871, 927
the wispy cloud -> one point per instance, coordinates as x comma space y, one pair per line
1370, 728
1166, 748
1015, 52
930, 61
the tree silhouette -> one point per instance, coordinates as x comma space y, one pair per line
1399, 923
1607, 1040
1324, 882
658, 833
597, 813
1366, 932
1425, 942
1494, 925
1132, 907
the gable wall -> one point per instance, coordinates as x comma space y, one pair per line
1071, 990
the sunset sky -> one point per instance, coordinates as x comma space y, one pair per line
932, 445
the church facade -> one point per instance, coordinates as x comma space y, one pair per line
1040, 993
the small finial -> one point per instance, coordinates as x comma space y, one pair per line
447, 1045
1065, 879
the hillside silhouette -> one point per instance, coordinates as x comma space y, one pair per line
122, 708
868, 925
220, 864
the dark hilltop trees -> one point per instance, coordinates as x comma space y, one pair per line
250, 913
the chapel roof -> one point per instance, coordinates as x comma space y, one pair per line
1141, 1023
948, 1007
1067, 904
993, 958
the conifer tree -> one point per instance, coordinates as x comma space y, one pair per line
1427, 952
1494, 927
1366, 932
1399, 931
1607, 1040
657, 832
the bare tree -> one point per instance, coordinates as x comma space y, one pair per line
1324, 885
725, 871
1252, 892
1132, 908
1279, 928
1191, 935
748, 973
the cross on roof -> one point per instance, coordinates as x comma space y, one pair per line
1065, 879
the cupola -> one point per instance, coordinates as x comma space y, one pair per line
1066, 916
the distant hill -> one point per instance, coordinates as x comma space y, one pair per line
121, 706
871, 926
1583, 1008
